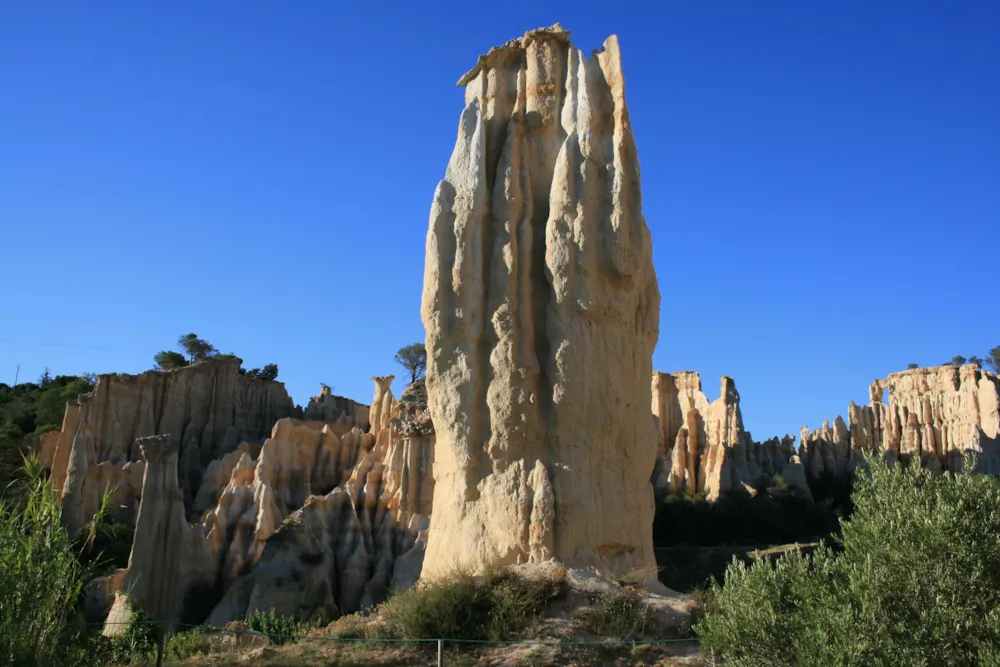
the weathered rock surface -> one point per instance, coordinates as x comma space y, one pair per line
332, 409
542, 311
704, 447
935, 415
172, 553
320, 514
207, 409
347, 549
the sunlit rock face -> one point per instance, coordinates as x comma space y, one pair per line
541, 309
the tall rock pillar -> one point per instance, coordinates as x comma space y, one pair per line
542, 311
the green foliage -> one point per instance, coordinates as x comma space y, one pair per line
414, 359
993, 360
188, 644
620, 615
168, 360
41, 577
279, 628
912, 366
990, 362
269, 372
460, 606
914, 579
30, 409
197, 349
136, 644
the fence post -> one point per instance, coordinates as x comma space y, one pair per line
440, 653
161, 639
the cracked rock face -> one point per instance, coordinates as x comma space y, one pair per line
541, 308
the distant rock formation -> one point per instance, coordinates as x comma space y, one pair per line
206, 409
542, 311
704, 447
935, 415
332, 409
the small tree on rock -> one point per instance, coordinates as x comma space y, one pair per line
414, 359
198, 349
993, 361
269, 372
168, 360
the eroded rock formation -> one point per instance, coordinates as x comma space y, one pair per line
542, 311
206, 410
321, 514
704, 447
935, 415
332, 409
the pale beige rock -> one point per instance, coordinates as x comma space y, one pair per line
348, 549
704, 447
207, 408
542, 311
936, 415
363, 508
383, 404
171, 559
332, 409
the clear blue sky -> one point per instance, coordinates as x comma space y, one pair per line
822, 181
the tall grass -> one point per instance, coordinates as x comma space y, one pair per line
41, 576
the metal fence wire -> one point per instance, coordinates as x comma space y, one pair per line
166, 627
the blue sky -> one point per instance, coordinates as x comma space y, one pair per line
822, 182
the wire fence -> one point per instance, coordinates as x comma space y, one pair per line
173, 628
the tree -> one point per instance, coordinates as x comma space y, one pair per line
168, 360
884, 595
198, 349
912, 366
414, 359
45, 379
269, 372
993, 361
957, 360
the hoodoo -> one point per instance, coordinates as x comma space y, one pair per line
541, 308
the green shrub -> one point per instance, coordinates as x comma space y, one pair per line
620, 615
41, 577
188, 644
914, 579
495, 606
281, 629
138, 642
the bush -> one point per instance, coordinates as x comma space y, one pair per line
41, 577
914, 579
137, 643
496, 606
188, 644
620, 615
280, 629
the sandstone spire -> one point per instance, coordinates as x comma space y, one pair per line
542, 311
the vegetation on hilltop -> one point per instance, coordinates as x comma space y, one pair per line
198, 349
30, 409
